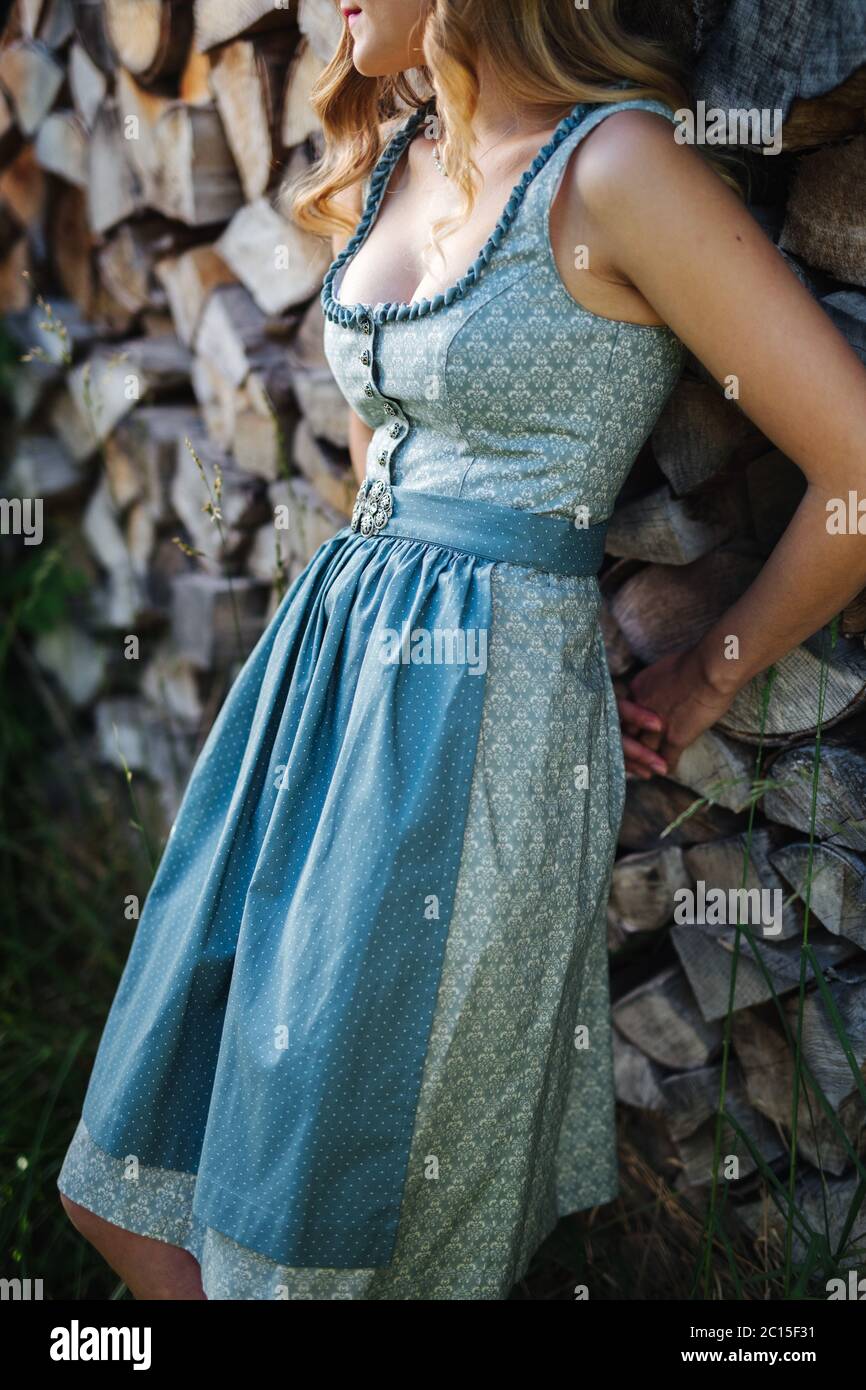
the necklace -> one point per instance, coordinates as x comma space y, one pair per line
437, 157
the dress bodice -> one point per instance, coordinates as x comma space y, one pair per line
502, 388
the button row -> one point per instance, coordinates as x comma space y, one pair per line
399, 424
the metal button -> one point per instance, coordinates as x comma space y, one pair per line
395, 430
389, 409
369, 390
366, 357
383, 457
366, 326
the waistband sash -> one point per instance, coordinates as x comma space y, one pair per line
502, 534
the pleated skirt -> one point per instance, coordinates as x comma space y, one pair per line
361, 1046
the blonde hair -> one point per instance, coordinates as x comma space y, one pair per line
548, 53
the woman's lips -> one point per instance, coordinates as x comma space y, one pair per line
351, 13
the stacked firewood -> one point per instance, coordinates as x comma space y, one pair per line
178, 418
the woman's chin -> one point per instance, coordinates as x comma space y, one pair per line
373, 65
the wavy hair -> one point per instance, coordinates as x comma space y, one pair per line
549, 55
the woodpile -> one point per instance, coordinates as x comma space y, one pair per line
178, 410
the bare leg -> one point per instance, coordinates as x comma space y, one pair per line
151, 1269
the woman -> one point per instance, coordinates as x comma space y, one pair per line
362, 1045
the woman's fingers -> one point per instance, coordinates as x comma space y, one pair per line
639, 716
641, 760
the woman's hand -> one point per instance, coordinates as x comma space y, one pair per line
664, 708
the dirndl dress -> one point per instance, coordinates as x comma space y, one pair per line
361, 1047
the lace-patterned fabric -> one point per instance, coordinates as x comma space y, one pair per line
501, 390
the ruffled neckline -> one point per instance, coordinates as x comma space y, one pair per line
349, 315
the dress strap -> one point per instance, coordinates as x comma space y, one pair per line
547, 183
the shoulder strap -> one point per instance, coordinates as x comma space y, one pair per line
547, 181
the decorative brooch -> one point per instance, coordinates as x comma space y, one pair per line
373, 507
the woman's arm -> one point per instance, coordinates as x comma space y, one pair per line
683, 238
360, 433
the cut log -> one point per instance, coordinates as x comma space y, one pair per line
280, 265
76, 662
826, 214
744, 862
125, 481
719, 769
216, 22
775, 488
691, 1101
699, 434
87, 83
58, 24
792, 710
75, 433
131, 735
242, 504
324, 467
23, 188
28, 385
323, 26
127, 266
268, 555
170, 684
247, 80
140, 536
110, 384
189, 279
32, 79
90, 30
661, 1018
829, 1205
823, 1051
637, 1079
312, 522
672, 530
148, 438
232, 334
139, 113
10, 135
61, 147
654, 806
114, 191
30, 15
58, 337
41, 467
840, 811
663, 608
707, 954
194, 86
207, 613
322, 405
643, 887
259, 443
197, 179
837, 892
299, 120
767, 1064
150, 37
71, 245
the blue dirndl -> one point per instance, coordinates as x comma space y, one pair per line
270, 1027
